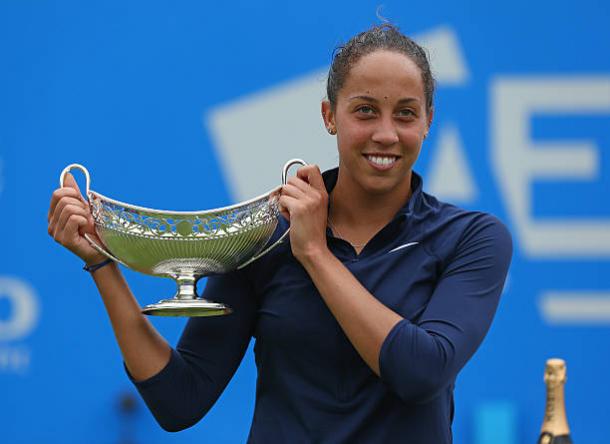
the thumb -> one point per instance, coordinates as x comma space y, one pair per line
314, 177
70, 182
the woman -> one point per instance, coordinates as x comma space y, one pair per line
364, 319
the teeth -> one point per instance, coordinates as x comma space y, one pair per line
383, 161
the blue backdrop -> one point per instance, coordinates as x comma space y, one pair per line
192, 105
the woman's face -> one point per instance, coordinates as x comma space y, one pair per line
381, 122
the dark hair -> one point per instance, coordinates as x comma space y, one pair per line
381, 37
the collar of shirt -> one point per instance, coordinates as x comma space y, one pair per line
330, 180
396, 224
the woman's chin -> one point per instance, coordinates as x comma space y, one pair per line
381, 186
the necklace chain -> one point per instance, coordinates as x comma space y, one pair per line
334, 228
338, 233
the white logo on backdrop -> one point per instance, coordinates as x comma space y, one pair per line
22, 319
255, 135
24, 308
519, 161
449, 176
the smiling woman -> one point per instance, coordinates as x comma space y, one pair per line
380, 103
364, 319
381, 121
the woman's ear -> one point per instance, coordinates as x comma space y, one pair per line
329, 117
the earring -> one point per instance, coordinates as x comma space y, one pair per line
331, 131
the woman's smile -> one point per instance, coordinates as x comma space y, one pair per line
382, 162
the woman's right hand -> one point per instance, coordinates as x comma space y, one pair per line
70, 218
144, 350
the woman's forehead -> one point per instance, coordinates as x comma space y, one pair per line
383, 73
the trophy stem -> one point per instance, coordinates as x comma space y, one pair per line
187, 287
185, 302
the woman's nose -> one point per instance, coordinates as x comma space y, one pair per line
385, 133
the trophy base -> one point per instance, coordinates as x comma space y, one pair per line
186, 307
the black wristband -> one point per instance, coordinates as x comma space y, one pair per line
94, 267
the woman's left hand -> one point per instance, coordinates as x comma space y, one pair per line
304, 202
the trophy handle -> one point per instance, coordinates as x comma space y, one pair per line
62, 177
78, 166
101, 249
287, 167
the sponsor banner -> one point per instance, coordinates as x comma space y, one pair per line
199, 105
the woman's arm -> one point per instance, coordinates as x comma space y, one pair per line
145, 352
179, 386
206, 357
419, 360
415, 360
365, 321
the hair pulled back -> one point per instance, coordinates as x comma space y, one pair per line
380, 37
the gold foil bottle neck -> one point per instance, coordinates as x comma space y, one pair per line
555, 372
555, 425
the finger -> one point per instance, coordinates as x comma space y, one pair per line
312, 175
58, 194
70, 235
284, 212
70, 182
315, 187
66, 200
54, 217
64, 215
316, 180
293, 191
283, 209
66, 212
303, 172
288, 203
299, 183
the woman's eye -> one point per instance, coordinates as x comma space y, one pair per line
406, 113
366, 109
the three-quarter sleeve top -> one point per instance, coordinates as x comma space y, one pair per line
441, 268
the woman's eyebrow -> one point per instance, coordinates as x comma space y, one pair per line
365, 98
403, 101
407, 100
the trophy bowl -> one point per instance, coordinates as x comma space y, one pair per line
184, 245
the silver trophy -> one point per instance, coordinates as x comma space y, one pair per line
184, 245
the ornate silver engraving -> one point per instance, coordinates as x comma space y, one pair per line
212, 225
184, 245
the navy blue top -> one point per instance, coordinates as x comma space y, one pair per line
440, 267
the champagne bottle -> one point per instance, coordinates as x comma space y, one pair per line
555, 428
